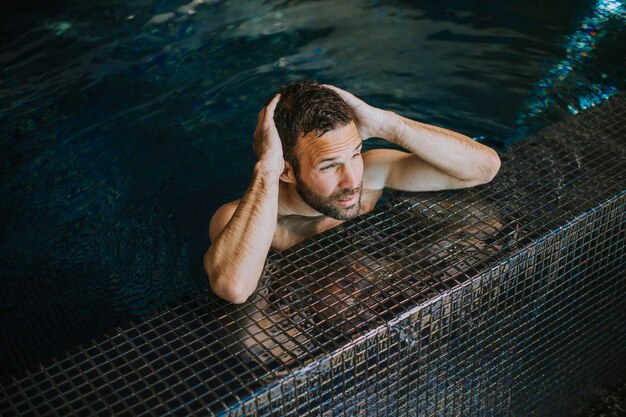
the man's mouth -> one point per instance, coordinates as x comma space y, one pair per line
349, 199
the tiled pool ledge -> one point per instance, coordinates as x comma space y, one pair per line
504, 299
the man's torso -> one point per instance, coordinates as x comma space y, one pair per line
294, 229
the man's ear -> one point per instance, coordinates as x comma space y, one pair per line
288, 175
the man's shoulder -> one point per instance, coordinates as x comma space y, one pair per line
227, 208
221, 217
376, 166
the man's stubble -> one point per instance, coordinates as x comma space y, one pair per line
328, 205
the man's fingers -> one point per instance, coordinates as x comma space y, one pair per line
348, 97
267, 113
337, 90
272, 106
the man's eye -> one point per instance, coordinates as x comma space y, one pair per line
327, 167
355, 155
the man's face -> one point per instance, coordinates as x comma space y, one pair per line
331, 172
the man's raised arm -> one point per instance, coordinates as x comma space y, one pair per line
241, 236
439, 158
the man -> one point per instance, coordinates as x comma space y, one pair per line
311, 175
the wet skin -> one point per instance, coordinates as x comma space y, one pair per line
329, 188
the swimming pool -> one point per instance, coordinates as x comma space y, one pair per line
125, 124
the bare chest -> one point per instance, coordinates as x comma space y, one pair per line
291, 230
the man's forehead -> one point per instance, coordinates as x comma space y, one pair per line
343, 139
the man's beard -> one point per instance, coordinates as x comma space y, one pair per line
328, 205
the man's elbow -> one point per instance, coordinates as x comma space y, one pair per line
493, 166
231, 293
228, 289
489, 168
223, 283
486, 173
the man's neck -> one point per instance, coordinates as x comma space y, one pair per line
291, 204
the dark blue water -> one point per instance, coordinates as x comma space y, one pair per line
123, 125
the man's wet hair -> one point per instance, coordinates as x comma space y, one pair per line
305, 107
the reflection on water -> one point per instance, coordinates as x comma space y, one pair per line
567, 85
123, 125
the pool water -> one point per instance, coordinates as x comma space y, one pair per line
124, 125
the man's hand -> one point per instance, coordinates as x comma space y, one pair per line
438, 158
241, 232
370, 121
267, 145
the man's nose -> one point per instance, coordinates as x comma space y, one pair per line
348, 177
